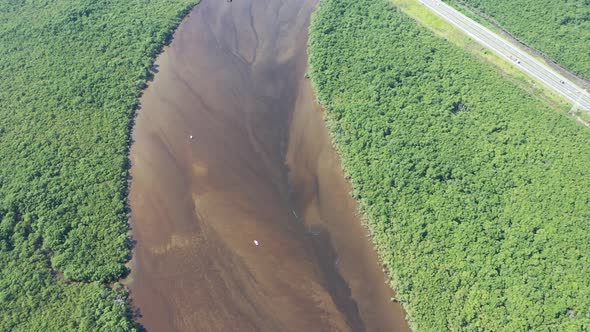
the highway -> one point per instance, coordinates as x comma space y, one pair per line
526, 62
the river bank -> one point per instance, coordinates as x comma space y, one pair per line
229, 236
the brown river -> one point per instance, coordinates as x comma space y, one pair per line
230, 148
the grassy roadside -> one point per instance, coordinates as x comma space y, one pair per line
492, 25
472, 15
439, 26
557, 30
474, 190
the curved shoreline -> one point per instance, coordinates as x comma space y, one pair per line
209, 178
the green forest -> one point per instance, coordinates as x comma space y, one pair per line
71, 72
476, 193
560, 29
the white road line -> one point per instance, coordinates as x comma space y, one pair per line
523, 60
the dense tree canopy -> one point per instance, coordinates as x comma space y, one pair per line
558, 28
70, 75
477, 194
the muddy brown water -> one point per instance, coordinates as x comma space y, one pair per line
259, 166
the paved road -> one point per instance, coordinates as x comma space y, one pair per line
522, 59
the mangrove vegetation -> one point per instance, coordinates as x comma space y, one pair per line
70, 76
477, 194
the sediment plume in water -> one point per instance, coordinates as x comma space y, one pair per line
224, 154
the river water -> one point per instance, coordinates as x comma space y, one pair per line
230, 148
